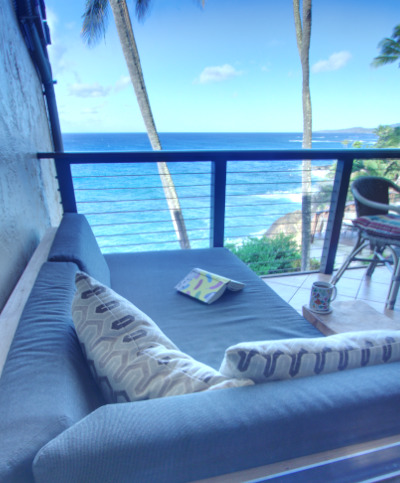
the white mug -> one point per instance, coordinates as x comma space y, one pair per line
322, 294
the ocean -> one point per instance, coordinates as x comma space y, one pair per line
126, 206
194, 141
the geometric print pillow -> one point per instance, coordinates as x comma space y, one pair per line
264, 361
130, 357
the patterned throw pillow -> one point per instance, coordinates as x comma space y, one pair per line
263, 361
130, 357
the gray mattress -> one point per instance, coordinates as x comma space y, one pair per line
204, 331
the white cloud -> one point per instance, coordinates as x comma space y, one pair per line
217, 73
52, 19
58, 58
88, 90
90, 111
57, 51
122, 83
336, 61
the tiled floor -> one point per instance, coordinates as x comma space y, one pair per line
295, 289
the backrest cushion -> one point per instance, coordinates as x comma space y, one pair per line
263, 361
75, 242
46, 385
131, 358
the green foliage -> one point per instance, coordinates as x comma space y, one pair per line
95, 21
388, 137
390, 49
278, 254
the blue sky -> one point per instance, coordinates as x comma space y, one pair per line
232, 66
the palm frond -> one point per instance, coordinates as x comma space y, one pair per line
95, 20
141, 9
390, 46
396, 32
389, 49
383, 60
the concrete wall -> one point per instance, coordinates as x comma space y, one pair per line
29, 201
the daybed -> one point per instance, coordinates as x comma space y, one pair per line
55, 425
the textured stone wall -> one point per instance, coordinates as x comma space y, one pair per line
29, 201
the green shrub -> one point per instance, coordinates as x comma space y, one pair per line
278, 254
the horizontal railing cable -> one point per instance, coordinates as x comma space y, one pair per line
155, 232
141, 222
148, 243
132, 200
260, 199
165, 210
106, 188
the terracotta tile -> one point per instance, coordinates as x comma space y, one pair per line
356, 274
315, 277
381, 275
348, 287
374, 291
284, 291
292, 280
295, 289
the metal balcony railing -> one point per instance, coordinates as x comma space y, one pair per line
225, 196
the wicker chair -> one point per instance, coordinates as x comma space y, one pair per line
377, 228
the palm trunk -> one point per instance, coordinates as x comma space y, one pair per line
303, 36
129, 48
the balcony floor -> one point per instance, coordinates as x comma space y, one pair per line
295, 289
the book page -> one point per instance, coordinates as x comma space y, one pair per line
206, 286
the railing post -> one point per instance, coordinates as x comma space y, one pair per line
67, 193
338, 204
218, 195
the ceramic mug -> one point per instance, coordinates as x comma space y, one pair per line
322, 294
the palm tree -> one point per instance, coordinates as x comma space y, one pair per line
390, 49
93, 29
303, 36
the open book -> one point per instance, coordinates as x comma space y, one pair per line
206, 286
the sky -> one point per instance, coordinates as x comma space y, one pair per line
230, 66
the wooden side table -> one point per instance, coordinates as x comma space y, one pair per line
349, 316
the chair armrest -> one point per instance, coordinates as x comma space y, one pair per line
374, 204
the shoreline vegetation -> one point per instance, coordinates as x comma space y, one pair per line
278, 250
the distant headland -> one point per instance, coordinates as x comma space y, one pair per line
352, 130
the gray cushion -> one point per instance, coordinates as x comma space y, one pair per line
187, 438
204, 331
75, 242
46, 385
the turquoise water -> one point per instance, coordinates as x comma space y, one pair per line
126, 205
194, 141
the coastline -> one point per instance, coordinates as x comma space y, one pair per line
258, 193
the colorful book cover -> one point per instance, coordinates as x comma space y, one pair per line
206, 286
